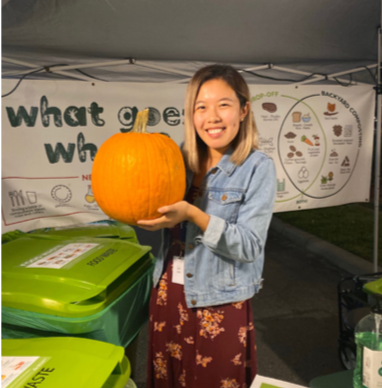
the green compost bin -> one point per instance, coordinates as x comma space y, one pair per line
63, 362
101, 229
96, 288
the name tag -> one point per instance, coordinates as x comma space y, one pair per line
178, 270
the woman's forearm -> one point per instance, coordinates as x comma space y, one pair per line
198, 217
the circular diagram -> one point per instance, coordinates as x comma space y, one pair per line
318, 148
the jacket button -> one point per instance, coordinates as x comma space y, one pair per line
224, 197
189, 275
214, 170
190, 246
193, 302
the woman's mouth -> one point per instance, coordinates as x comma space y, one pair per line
215, 132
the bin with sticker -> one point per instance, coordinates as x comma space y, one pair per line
96, 288
63, 362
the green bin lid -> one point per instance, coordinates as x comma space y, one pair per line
104, 229
374, 288
71, 277
63, 362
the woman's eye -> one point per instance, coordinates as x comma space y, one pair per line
200, 107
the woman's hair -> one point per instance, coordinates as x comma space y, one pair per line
194, 149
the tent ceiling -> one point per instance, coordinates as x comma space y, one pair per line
320, 33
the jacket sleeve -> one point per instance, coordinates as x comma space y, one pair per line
244, 240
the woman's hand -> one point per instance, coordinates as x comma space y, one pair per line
172, 215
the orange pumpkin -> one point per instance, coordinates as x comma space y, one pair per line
136, 173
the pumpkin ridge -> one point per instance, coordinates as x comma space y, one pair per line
148, 155
126, 183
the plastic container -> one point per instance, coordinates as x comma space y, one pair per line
63, 362
368, 338
96, 288
99, 229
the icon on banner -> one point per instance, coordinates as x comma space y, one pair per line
296, 117
303, 173
16, 197
281, 185
61, 193
337, 130
331, 110
348, 131
32, 197
264, 141
89, 197
346, 162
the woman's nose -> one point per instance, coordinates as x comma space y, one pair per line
213, 115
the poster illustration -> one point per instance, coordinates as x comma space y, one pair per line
320, 138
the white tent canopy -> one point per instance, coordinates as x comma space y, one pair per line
169, 40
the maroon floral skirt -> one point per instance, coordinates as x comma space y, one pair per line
208, 347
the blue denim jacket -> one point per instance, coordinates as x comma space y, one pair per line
225, 263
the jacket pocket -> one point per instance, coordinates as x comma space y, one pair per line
225, 203
225, 277
225, 197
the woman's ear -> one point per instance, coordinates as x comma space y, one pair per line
245, 110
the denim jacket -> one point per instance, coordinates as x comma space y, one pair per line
225, 263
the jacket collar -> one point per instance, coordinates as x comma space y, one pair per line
225, 164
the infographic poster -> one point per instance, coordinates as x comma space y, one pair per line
320, 138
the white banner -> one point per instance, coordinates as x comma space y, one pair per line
320, 138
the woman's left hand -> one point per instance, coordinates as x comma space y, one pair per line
172, 215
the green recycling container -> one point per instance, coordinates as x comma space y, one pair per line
101, 229
96, 288
62, 362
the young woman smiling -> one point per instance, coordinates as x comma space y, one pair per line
211, 259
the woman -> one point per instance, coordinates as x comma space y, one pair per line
211, 259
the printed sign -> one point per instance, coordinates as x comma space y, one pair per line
320, 138
13, 367
60, 257
266, 382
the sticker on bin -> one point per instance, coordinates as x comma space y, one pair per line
62, 256
13, 367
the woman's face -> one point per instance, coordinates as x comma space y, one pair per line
217, 114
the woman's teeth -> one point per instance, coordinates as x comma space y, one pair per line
212, 131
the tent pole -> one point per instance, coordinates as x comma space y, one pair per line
65, 68
354, 70
261, 67
377, 158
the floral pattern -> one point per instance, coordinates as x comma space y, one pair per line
238, 305
182, 378
162, 293
236, 359
183, 314
160, 366
159, 326
175, 350
243, 336
189, 340
209, 321
203, 361
229, 383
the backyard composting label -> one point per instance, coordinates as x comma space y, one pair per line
320, 138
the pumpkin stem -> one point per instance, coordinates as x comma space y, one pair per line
141, 121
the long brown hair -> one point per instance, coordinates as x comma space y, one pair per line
194, 149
